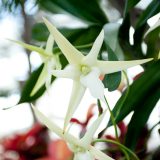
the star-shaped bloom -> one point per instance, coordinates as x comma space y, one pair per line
81, 148
85, 70
50, 60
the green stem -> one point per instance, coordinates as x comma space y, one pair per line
115, 128
57, 50
120, 145
127, 92
100, 109
112, 119
84, 46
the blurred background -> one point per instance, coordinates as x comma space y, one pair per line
22, 20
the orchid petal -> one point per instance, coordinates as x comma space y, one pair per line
48, 81
71, 53
78, 91
87, 138
46, 121
94, 84
41, 80
57, 62
83, 156
107, 67
68, 137
98, 154
30, 47
91, 58
57, 130
49, 45
68, 72
50, 66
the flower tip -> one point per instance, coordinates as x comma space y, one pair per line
149, 59
49, 25
46, 21
65, 127
33, 107
102, 32
32, 93
11, 40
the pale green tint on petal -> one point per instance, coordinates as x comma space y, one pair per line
57, 61
83, 156
30, 47
69, 72
99, 155
107, 67
48, 81
49, 45
41, 80
87, 138
71, 53
156, 25
57, 130
68, 137
50, 66
91, 58
94, 84
46, 121
78, 91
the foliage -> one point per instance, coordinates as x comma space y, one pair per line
143, 94
95, 20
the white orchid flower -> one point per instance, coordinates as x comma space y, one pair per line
85, 70
81, 148
50, 60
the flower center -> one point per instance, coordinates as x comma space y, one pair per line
85, 69
75, 148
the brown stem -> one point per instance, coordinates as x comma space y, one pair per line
26, 37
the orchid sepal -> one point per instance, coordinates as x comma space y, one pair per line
82, 148
88, 67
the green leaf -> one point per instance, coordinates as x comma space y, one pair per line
129, 5
40, 32
76, 36
111, 81
124, 38
85, 10
140, 117
135, 51
152, 9
152, 41
29, 85
140, 90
